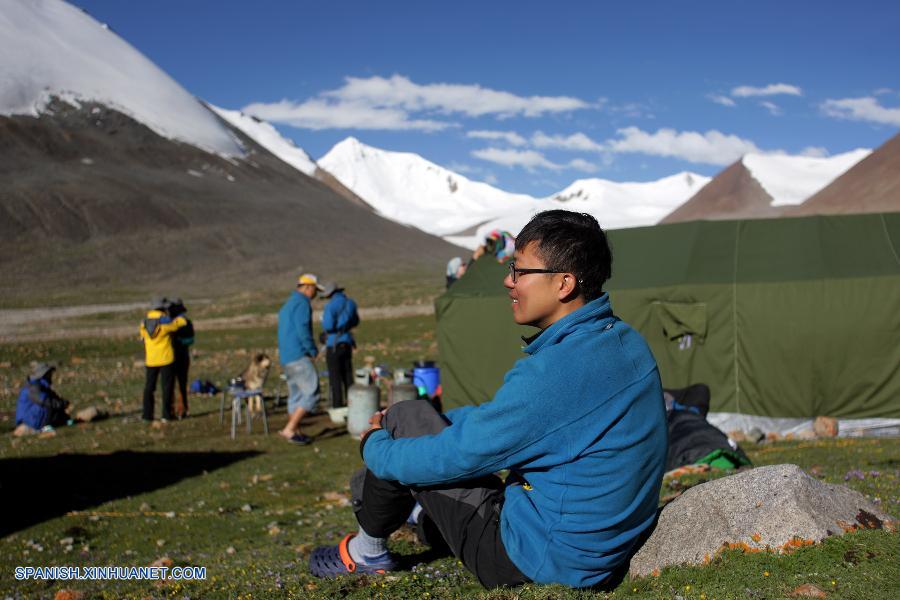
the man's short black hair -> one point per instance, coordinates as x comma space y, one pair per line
571, 242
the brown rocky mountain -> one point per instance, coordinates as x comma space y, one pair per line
93, 200
872, 185
732, 194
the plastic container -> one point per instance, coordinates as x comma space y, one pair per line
427, 379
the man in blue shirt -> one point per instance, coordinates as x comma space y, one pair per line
579, 422
297, 351
338, 319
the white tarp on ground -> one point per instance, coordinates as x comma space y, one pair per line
783, 426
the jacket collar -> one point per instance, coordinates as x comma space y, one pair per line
597, 310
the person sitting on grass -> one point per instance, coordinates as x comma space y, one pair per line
39, 406
579, 422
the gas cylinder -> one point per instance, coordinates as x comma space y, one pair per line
363, 401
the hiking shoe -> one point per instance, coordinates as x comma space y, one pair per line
300, 439
329, 562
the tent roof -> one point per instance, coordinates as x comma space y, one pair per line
714, 252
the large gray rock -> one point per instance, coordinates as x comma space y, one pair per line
771, 507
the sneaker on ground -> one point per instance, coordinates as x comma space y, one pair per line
333, 561
300, 439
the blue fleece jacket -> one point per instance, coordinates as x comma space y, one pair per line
581, 419
295, 338
33, 408
338, 318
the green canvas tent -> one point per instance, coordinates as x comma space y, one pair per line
784, 319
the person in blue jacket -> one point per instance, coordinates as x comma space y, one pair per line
297, 352
579, 422
39, 405
338, 319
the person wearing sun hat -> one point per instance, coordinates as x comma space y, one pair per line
39, 405
182, 340
296, 351
156, 332
338, 319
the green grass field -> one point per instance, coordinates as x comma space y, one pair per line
120, 493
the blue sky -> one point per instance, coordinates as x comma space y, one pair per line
533, 95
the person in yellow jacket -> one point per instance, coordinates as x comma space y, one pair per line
156, 333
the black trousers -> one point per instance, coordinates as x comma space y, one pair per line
340, 372
168, 387
182, 367
466, 515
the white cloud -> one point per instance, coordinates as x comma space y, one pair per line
510, 137
576, 141
862, 109
582, 165
815, 151
529, 159
773, 108
723, 100
471, 100
773, 89
883, 91
490, 178
320, 114
390, 103
712, 147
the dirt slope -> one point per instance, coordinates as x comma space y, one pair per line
90, 199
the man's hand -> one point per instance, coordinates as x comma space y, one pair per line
375, 422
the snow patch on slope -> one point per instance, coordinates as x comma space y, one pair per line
790, 180
268, 137
50, 48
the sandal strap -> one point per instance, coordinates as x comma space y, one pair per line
344, 551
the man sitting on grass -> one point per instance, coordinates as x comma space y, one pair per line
579, 422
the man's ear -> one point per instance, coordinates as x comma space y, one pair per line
568, 287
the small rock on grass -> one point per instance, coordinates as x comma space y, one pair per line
807, 590
162, 561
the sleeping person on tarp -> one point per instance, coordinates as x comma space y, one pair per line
39, 406
692, 439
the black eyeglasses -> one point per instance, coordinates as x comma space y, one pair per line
514, 272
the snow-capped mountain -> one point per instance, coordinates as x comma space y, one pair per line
113, 175
871, 185
790, 180
50, 48
763, 186
268, 137
615, 205
407, 188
